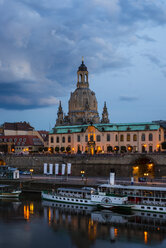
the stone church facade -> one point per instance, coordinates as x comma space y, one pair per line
82, 131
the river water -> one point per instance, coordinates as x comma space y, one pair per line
33, 223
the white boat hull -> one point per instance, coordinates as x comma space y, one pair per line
14, 194
150, 208
64, 199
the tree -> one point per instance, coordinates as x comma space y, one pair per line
123, 149
62, 149
68, 149
163, 145
57, 149
109, 148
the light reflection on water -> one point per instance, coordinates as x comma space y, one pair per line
38, 223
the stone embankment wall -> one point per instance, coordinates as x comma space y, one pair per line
92, 165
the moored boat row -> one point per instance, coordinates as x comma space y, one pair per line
139, 198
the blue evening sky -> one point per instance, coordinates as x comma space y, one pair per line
41, 45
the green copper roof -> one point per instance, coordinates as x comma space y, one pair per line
122, 127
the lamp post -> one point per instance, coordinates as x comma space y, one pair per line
31, 171
82, 174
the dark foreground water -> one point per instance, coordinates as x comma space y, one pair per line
35, 223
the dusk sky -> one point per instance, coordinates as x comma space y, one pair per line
42, 43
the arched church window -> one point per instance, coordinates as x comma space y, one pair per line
57, 139
52, 140
86, 78
80, 78
63, 139
134, 137
98, 138
150, 137
69, 139
116, 137
128, 137
122, 137
108, 137
143, 137
91, 137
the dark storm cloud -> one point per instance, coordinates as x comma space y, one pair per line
145, 38
42, 42
128, 98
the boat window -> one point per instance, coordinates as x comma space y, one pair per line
64, 198
148, 214
60, 198
142, 207
76, 200
148, 207
142, 213
160, 208
154, 208
161, 216
68, 199
81, 200
72, 199
154, 215
86, 201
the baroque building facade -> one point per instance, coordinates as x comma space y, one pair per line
82, 130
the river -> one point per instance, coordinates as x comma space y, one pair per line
30, 222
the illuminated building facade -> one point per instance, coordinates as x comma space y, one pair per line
82, 130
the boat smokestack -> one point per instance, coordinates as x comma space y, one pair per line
112, 177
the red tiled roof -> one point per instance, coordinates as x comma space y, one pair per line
44, 134
22, 140
18, 126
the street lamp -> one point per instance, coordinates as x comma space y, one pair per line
31, 171
82, 173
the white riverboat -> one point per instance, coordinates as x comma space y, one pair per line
143, 198
70, 195
139, 197
86, 196
6, 191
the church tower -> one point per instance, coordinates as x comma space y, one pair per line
60, 120
82, 76
105, 114
83, 103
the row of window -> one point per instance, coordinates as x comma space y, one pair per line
129, 137
12, 140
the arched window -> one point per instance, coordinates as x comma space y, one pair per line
116, 137
52, 140
121, 137
80, 78
63, 139
134, 137
98, 138
57, 139
143, 137
91, 137
128, 137
69, 139
150, 137
78, 138
108, 137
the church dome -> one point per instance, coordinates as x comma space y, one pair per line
83, 103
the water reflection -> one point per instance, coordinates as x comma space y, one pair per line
79, 226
